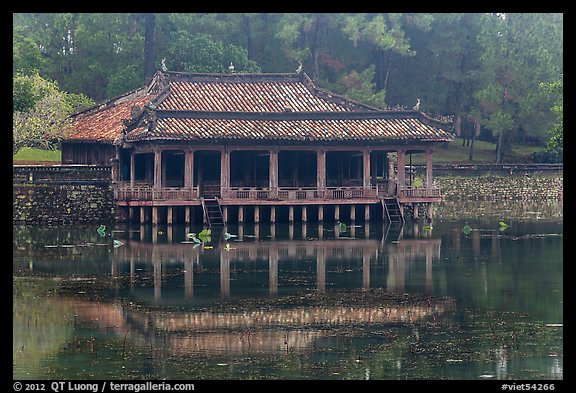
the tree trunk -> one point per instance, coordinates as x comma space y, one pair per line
475, 133
149, 46
500, 148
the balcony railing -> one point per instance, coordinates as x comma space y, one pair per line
125, 192
298, 193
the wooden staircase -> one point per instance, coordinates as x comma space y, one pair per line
212, 211
392, 209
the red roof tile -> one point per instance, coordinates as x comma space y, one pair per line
341, 129
279, 107
230, 94
104, 123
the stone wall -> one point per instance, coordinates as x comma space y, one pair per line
501, 187
52, 195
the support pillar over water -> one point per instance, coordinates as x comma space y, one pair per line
154, 215
240, 213
256, 214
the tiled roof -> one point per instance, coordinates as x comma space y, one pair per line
292, 130
105, 122
259, 107
251, 93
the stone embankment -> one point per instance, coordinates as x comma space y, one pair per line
82, 194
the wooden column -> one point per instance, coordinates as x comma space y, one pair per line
429, 168
272, 214
391, 177
352, 212
366, 168
157, 168
304, 213
320, 213
256, 214
224, 169
401, 169
116, 173
142, 215
366, 212
291, 213
240, 213
321, 169
187, 215
132, 168
336, 213
155, 215
374, 169
188, 169
170, 215
225, 214
273, 172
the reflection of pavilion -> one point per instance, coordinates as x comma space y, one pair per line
400, 256
259, 330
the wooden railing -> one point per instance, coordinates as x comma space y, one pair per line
419, 192
299, 193
124, 192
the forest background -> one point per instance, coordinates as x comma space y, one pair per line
498, 77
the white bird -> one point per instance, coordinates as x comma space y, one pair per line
164, 68
417, 106
231, 67
299, 69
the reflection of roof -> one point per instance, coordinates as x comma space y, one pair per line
261, 329
256, 107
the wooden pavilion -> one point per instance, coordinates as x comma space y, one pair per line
255, 147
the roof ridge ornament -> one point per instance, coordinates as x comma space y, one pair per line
300, 67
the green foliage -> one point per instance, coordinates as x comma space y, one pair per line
556, 90
359, 87
488, 66
208, 55
41, 112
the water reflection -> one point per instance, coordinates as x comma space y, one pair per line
317, 291
256, 253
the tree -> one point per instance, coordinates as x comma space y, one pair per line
518, 52
45, 119
556, 89
150, 46
199, 53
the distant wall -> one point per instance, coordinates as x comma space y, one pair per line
501, 188
71, 194
486, 182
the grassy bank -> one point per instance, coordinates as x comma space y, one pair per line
37, 156
484, 152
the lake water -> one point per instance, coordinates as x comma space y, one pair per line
462, 299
